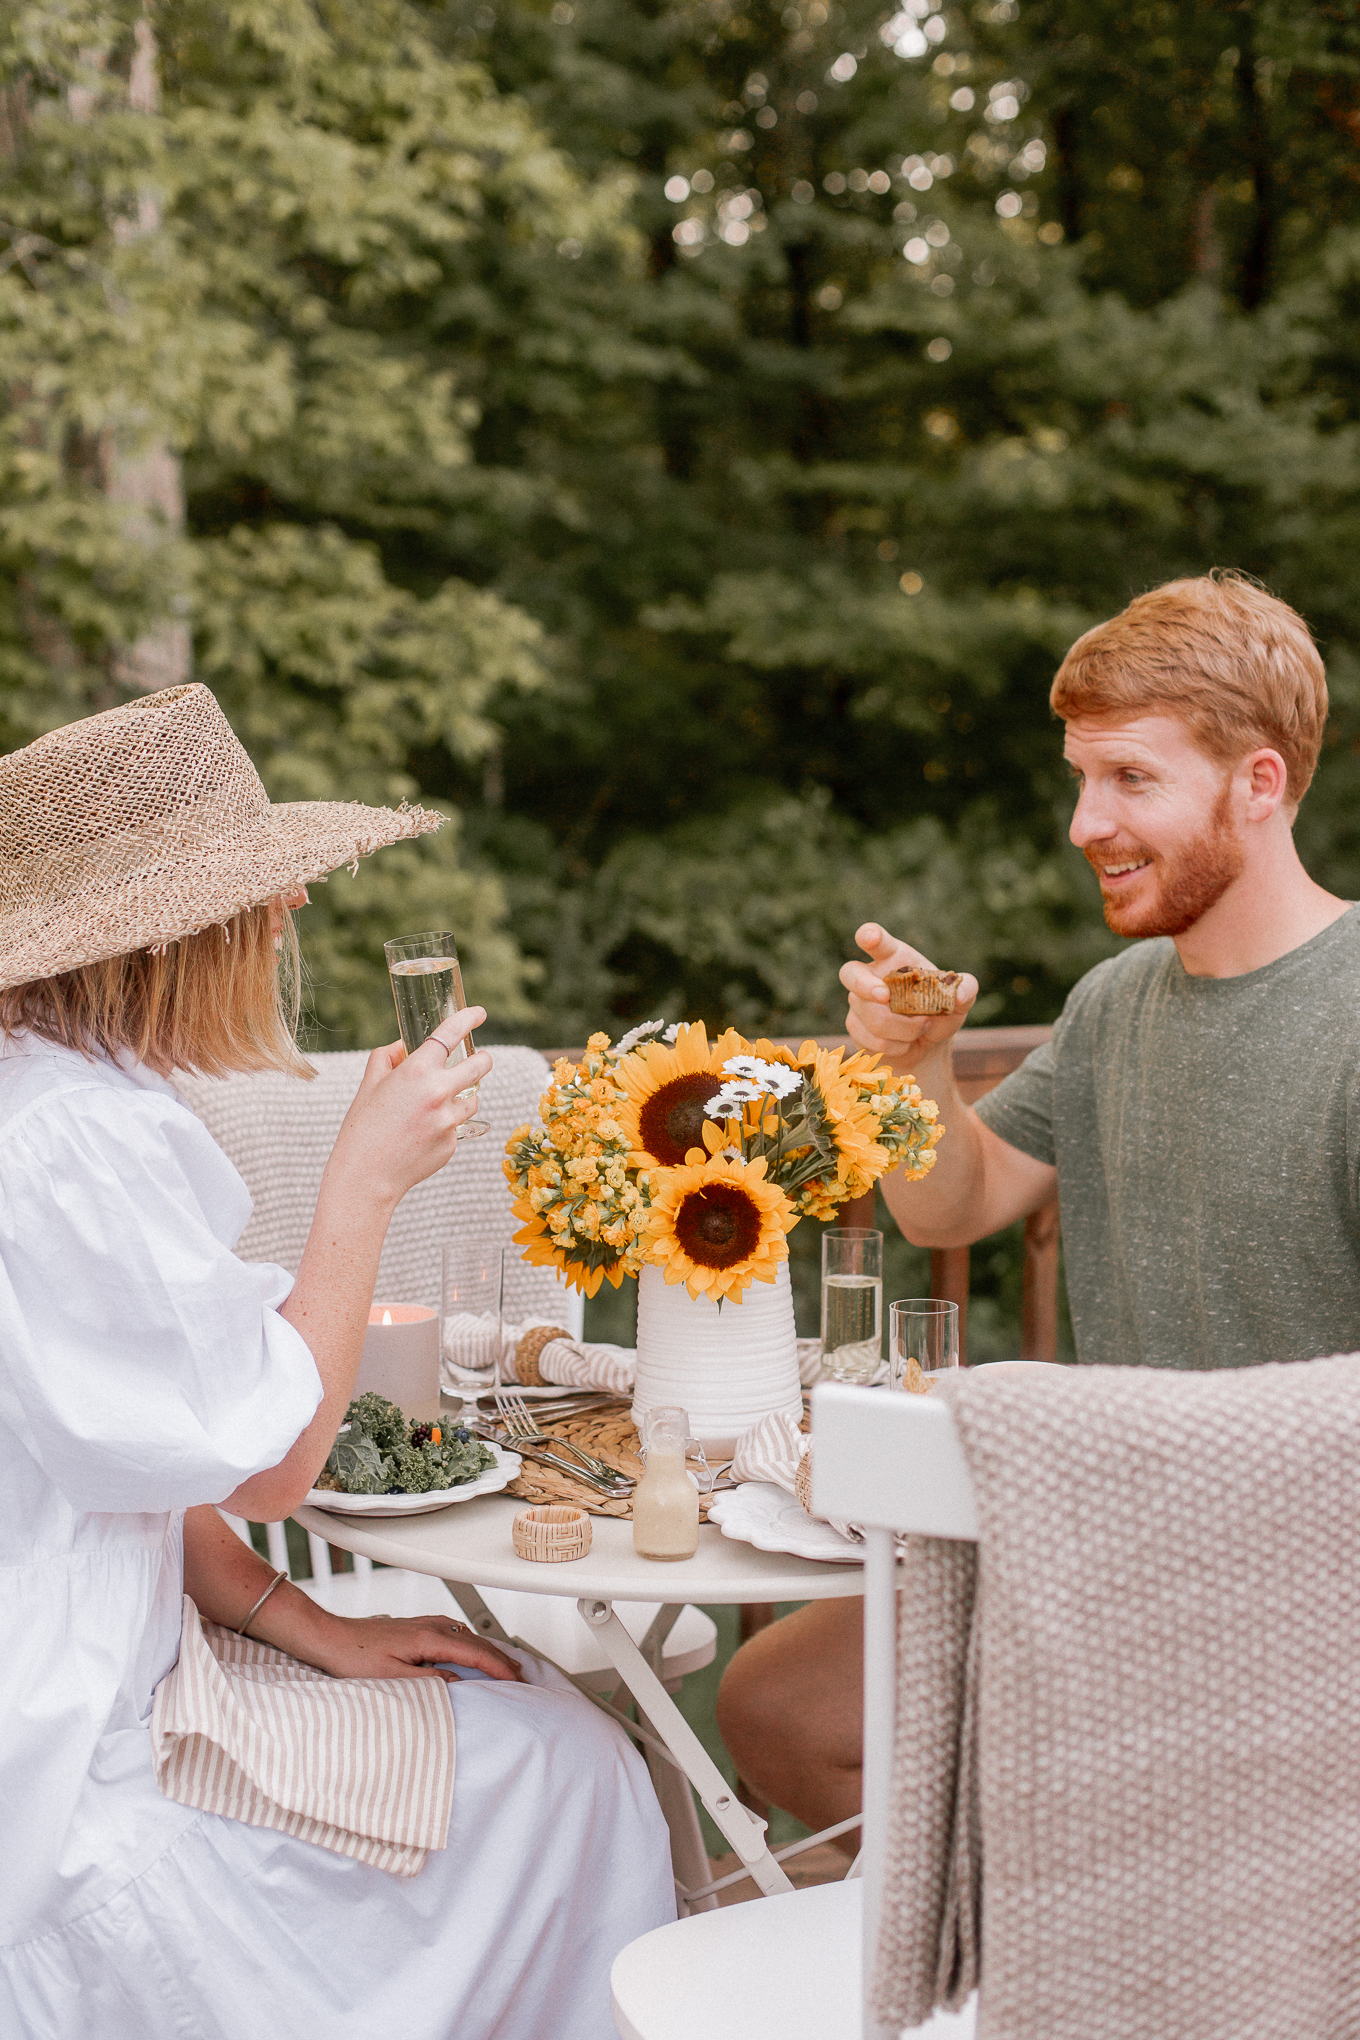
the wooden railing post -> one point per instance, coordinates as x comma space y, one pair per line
949, 1280
1039, 1292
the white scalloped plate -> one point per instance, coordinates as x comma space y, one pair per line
762, 1514
489, 1483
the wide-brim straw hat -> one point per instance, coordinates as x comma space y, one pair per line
137, 827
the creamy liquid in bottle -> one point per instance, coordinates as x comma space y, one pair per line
666, 1501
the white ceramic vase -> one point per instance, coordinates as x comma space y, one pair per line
728, 1367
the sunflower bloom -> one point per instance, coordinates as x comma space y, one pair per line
717, 1225
665, 1091
860, 1153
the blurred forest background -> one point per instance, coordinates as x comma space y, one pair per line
679, 438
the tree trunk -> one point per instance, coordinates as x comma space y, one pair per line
147, 483
1069, 174
1258, 254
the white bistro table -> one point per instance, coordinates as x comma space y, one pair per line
468, 1546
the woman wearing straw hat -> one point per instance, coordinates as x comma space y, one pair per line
147, 1374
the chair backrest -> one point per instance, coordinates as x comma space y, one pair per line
279, 1132
894, 1465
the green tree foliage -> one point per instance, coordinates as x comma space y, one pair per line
942, 376
311, 176
680, 437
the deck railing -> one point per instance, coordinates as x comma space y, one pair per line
982, 1057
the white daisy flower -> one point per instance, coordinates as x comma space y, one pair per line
727, 1103
637, 1034
775, 1080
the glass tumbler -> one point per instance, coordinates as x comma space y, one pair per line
923, 1339
427, 985
471, 1309
852, 1303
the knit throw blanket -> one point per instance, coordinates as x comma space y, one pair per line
1126, 1795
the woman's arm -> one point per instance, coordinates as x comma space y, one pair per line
401, 1128
224, 1580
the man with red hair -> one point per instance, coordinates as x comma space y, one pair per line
1197, 1111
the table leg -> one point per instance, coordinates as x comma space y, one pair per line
745, 1833
477, 1612
689, 1857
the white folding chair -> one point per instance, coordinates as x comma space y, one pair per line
790, 1968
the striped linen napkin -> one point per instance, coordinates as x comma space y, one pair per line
470, 1348
361, 1766
775, 1450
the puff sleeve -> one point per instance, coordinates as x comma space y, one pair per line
142, 1365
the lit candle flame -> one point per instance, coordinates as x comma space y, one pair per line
387, 1317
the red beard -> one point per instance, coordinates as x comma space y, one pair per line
1187, 885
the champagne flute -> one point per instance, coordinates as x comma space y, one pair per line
427, 986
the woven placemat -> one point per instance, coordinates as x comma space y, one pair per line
607, 1431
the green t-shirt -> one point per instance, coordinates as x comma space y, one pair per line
1206, 1133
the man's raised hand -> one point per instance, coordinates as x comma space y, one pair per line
871, 1023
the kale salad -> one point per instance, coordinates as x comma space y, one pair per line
377, 1452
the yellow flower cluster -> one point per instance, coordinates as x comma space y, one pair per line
582, 1205
627, 1166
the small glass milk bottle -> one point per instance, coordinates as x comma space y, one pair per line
666, 1500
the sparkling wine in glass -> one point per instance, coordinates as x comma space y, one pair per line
427, 986
852, 1303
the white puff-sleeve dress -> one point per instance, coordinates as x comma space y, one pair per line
145, 1369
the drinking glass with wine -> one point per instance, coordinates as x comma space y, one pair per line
427, 986
852, 1303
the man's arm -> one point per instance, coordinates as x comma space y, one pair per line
979, 1183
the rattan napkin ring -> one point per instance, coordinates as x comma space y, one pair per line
528, 1350
802, 1481
552, 1533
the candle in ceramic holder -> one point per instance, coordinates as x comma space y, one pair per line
401, 1358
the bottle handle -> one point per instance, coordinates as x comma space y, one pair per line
703, 1480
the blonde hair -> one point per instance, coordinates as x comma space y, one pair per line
217, 1002
1236, 664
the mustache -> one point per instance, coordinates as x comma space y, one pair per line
1098, 856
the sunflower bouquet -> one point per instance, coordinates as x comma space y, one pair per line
702, 1156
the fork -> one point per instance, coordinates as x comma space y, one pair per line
618, 1489
518, 1423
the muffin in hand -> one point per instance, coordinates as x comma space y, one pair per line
922, 991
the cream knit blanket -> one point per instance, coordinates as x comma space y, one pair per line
1127, 1777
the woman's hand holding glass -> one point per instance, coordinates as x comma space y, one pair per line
403, 1124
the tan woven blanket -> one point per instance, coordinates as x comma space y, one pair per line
1127, 1774
360, 1766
